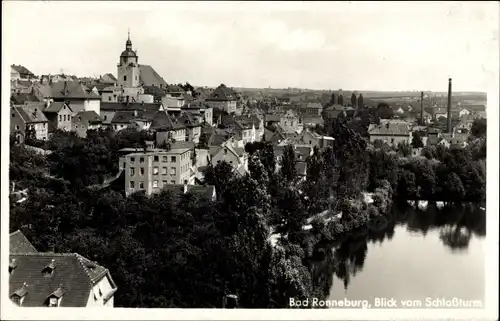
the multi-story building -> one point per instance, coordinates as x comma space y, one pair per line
59, 115
29, 118
85, 120
18, 72
150, 171
223, 98
393, 133
291, 123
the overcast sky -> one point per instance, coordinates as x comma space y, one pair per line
324, 45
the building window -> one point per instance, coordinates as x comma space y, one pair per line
142, 170
17, 127
124, 164
165, 183
124, 78
141, 160
53, 302
132, 171
109, 98
165, 159
173, 159
173, 171
155, 170
164, 171
132, 184
172, 182
155, 184
105, 117
13, 115
141, 185
156, 158
60, 117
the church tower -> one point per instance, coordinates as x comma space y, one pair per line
128, 67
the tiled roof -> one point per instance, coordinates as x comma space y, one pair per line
335, 107
128, 117
71, 89
272, 117
175, 89
188, 120
390, 129
222, 93
21, 69
32, 114
73, 274
204, 191
19, 244
22, 98
149, 77
164, 121
109, 76
91, 116
156, 91
55, 107
314, 105
106, 106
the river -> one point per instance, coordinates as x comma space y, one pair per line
414, 255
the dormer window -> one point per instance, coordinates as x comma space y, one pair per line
49, 269
12, 266
54, 299
19, 295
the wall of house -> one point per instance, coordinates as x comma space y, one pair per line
14, 75
228, 106
128, 76
160, 169
93, 105
179, 136
194, 134
146, 98
209, 115
16, 122
390, 139
306, 137
109, 97
290, 123
64, 119
227, 156
96, 299
202, 157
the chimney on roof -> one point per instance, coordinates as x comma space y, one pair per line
449, 106
422, 108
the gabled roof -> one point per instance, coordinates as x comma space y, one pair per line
90, 116
390, 129
73, 274
22, 98
19, 244
335, 107
128, 117
31, 114
107, 106
149, 77
71, 90
164, 121
474, 108
188, 120
55, 107
109, 77
21, 69
222, 93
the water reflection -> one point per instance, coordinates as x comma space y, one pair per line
412, 255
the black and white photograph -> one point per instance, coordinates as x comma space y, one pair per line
298, 160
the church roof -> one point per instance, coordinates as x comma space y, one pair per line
149, 77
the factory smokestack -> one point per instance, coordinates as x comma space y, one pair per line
422, 108
449, 106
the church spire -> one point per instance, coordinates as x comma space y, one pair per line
128, 44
